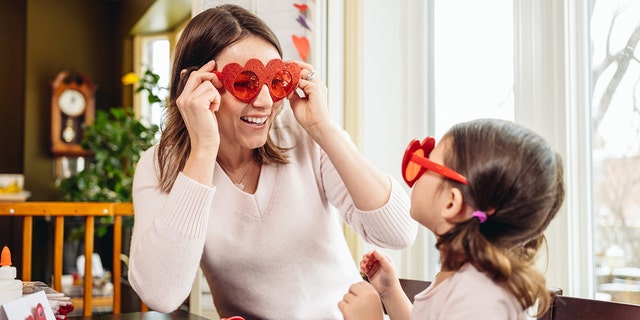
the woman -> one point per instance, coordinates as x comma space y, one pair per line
244, 186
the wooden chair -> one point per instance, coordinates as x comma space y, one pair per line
554, 292
412, 287
579, 308
60, 210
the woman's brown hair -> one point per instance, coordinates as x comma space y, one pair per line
204, 37
517, 179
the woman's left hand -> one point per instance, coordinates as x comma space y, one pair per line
361, 302
310, 110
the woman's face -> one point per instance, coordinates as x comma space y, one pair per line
429, 196
243, 124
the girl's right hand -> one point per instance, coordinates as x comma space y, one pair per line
198, 103
380, 271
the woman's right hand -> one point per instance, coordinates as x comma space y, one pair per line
198, 102
380, 271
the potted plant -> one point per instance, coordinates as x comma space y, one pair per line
116, 139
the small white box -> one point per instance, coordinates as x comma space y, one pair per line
33, 305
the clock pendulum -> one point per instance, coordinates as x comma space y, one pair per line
68, 134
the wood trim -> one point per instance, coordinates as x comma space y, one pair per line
353, 65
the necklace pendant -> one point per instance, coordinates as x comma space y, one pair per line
240, 186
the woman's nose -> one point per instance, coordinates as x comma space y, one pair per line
263, 99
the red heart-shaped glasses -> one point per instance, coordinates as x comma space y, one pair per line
416, 162
245, 82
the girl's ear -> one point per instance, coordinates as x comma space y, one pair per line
454, 210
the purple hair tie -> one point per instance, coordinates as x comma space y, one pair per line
480, 215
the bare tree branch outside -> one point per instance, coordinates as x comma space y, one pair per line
615, 75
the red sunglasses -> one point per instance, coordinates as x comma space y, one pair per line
245, 82
416, 162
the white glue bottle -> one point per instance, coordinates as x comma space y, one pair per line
10, 288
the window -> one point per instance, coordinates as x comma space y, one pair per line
473, 61
615, 72
576, 75
153, 53
430, 65
575, 80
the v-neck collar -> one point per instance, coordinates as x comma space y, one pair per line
258, 204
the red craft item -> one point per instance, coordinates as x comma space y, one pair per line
245, 83
301, 7
302, 45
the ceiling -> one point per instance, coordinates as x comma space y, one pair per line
163, 15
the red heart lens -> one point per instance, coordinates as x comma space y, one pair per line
416, 162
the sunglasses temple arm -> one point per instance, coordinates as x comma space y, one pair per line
439, 169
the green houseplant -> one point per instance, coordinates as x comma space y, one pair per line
117, 139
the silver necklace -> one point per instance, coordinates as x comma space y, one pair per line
238, 184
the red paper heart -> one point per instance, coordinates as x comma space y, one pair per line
301, 7
302, 45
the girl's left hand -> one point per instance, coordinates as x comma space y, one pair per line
311, 110
380, 271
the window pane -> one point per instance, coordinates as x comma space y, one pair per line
156, 56
473, 61
615, 73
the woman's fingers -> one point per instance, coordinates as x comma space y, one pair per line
199, 90
198, 102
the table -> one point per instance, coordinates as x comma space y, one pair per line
149, 315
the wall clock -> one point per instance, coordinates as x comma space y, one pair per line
72, 107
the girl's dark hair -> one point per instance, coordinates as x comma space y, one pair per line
204, 37
518, 180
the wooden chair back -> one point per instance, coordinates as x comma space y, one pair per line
548, 315
566, 307
58, 211
411, 287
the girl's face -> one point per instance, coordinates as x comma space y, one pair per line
429, 195
243, 124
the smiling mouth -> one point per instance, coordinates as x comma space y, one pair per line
255, 120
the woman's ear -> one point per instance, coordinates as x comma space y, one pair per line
454, 209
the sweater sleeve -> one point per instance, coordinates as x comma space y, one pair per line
389, 226
168, 236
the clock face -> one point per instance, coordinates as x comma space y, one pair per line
72, 102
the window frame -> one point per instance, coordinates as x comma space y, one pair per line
139, 45
553, 98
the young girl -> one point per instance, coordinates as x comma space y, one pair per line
487, 192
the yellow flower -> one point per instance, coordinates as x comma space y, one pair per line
130, 78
